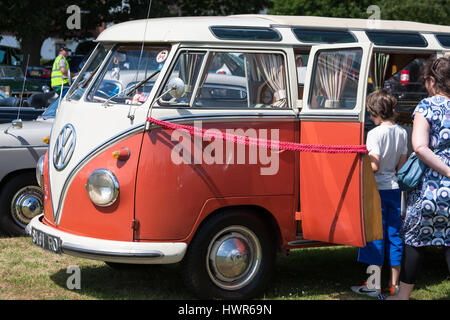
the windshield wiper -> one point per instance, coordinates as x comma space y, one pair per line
133, 88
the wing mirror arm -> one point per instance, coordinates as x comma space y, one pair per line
15, 124
177, 88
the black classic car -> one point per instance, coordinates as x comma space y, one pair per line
12, 108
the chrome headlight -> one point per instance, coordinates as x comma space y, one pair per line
40, 172
102, 187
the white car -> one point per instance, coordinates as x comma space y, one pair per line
21, 145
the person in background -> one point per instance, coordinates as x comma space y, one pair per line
61, 75
427, 220
387, 145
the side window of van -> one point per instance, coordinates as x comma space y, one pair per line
335, 79
187, 69
301, 62
237, 80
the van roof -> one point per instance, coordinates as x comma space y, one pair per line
352, 23
197, 29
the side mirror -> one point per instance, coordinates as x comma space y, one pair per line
176, 87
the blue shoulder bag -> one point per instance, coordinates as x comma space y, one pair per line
412, 171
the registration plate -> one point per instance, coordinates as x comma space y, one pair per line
46, 241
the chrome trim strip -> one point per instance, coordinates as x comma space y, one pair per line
25, 146
329, 118
302, 242
70, 248
223, 117
119, 137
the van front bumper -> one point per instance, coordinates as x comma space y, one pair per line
110, 250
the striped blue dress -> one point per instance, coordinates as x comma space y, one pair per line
427, 220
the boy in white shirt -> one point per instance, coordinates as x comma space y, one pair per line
387, 145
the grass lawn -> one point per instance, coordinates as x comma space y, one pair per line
27, 272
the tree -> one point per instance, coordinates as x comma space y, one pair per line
33, 21
426, 11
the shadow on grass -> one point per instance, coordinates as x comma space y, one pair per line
156, 282
328, 273
315, 274
4, 235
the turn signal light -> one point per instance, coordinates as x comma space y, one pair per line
122, 154
46, 140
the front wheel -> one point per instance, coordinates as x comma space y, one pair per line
231, 257
21, 199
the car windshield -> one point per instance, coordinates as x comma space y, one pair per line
50, 112
89, 70
10, 72
126, 67
3, 95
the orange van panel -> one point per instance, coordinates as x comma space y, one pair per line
171, 198
81, 217
330, 185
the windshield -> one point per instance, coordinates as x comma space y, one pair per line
10, 72
128, 66
50, 112
88, 72
3, 95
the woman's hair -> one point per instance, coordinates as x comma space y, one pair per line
381, 103
439, 69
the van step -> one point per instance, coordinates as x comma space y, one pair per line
302, 242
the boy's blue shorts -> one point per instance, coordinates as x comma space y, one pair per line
391, 246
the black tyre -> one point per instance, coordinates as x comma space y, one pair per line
21, 199
232, 256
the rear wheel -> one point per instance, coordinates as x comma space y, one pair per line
231, 257
21, 199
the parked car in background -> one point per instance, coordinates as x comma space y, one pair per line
12, 108
10, 56
20, 148
12, 82
41, 73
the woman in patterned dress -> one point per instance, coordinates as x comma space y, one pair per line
427, 220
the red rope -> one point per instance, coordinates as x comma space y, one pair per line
269, 144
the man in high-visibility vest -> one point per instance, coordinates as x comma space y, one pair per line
61, 75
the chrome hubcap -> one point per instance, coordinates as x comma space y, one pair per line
26, 204
234, 257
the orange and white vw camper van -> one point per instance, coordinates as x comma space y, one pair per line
219, 141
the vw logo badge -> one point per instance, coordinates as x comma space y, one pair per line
64, 146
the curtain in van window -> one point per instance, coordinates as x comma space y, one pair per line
380, 64
189, 64
272, 68
209, 63
333, 71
